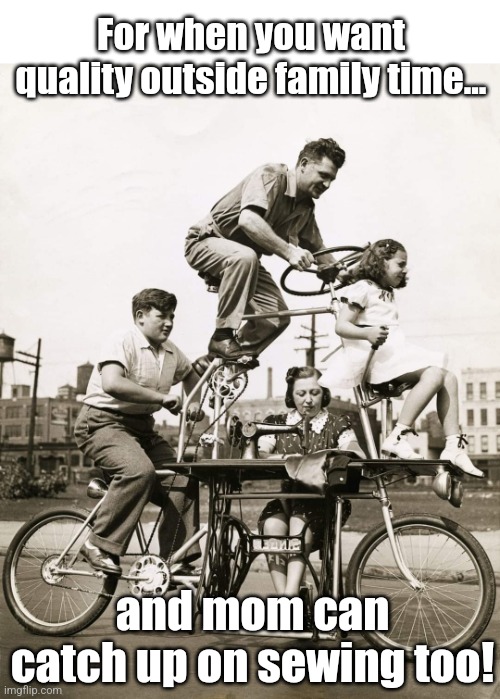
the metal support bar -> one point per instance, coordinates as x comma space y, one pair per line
290, 314
189, 399
31, 436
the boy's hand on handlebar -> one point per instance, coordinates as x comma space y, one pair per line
299, 258
172, 403
195, 413
377, 335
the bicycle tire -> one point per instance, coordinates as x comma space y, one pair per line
68, 603
456, 603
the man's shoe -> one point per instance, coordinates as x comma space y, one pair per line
101, 560
227, 349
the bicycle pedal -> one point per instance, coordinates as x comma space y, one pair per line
248, 361
236, 375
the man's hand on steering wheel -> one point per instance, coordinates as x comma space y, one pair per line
336, 272
299, 258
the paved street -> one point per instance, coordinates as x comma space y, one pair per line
104, 629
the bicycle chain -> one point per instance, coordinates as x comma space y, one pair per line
226, 408
244, 375
224, 411
83, 589
181, 514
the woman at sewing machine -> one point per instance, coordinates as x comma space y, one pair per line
308, 402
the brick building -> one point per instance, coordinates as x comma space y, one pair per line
480, 400
53, 437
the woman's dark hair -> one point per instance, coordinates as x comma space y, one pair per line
372, 262
304, 372
147, 299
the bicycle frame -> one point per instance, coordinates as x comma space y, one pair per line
363, 401
224, 477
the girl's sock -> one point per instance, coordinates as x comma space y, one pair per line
398, 429
397, 444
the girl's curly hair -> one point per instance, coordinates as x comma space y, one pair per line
371, 265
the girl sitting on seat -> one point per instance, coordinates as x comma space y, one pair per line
368, 318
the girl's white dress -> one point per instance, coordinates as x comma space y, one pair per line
392, 359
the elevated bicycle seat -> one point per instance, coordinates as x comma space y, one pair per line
389, 389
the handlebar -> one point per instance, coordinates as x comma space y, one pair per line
349, 260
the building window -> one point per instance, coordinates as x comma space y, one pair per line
497, 389
482, 390
484, 417
470, 418
38, 430
13, 431
472, 444
498, 443
498, 416
469, 391
13, 411
484, 443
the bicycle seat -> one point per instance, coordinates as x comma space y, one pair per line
389, 389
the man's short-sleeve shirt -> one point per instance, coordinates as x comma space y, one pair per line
272, 190
142, 366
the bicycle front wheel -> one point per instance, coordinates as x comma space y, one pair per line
454, 604
40, 594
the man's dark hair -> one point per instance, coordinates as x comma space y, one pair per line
147, 299
317, 150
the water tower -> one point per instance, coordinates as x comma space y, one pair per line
6, 354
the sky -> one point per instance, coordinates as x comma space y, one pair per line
97, 194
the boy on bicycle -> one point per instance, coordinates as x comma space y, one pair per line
115, 428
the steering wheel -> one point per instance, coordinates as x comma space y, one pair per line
348, 260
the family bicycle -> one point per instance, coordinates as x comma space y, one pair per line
435, 574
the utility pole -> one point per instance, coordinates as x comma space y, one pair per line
312, 338
31, 436
7, 354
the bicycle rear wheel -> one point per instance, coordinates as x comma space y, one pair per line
45, 600
455, 603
